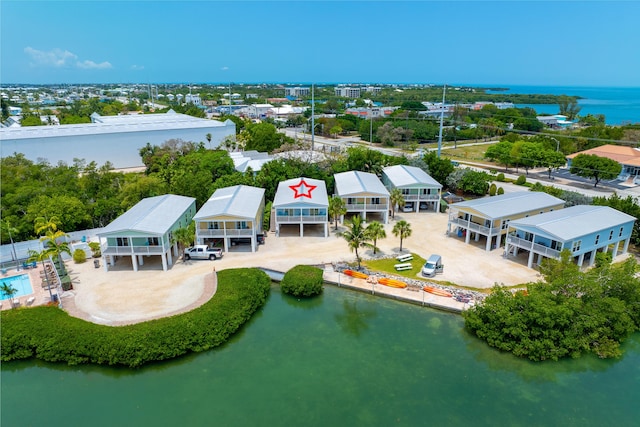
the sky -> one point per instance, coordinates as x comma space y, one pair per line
550, 43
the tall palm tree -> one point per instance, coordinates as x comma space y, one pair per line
375, 231
355, 236
184, 236
397, 199
8, 290
402, 229
336, 208
208, 136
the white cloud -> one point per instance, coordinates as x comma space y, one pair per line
58, 58
86, 64
137, 67
224, 68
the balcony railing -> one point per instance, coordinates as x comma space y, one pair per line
472, 226
229, 232
367, 206
531, 246
420, 197
283, 219
133, 250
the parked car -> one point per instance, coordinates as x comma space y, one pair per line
408, 207
202, 252
433, 266
451, 198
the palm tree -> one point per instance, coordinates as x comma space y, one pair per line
42, 256
208, 136
8, 290
184, 236
397, 199
375, 231
10, 229
402, 229
355, 236
336, 208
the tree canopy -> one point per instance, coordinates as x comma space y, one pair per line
596, 167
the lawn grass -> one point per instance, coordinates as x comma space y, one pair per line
471, 152
386, 266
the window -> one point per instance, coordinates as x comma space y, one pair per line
375, 200
213, 225
122, 241
576, 245
152, 241
505, 224
597, 239
611, 235
621, 231
242, 225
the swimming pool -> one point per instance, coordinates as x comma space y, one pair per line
22, 283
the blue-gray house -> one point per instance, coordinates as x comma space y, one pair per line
584, 230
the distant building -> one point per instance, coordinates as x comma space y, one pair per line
556, 121
628, 157
297, 92
368, 113
116, 139
193, 99
373, 89
347, 92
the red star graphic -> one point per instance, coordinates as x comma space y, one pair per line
302, 189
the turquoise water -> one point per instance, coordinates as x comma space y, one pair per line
344, 359
619, 105
22, 283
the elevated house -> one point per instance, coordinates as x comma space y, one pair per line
582, 229
419, 189
363, 193
628, 157
300, 202
230, 215
147, 230
489, 217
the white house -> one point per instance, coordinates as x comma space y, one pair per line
300, 202
417, 186
363, 193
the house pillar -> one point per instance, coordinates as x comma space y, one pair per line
580, 260
615, 249
112, 260
301, 230
164, 261
605, 249
326, 229
530, 261
140, 260
592, 257
169, 258
105, 264
477, 238
467, 236
225, 242
626, 246
488, 245
539, 259
134, 261
176, 253
253, 242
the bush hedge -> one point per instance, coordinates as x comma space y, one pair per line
79, 256
522, 180
50, 334
500, 177
302, 281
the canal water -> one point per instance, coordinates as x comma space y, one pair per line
343, 359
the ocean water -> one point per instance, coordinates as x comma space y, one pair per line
620, 105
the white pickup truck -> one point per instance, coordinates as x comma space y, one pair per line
202, 252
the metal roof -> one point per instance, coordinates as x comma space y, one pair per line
576, 221
405, 176
153, 215
510, 204
115, 124
240, 201
297, 191
356, 182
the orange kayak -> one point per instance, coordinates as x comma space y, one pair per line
437, 291
356, 274
392, 283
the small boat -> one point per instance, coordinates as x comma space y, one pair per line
392, 283
356, 274
437, 291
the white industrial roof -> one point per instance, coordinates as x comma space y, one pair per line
240, 201
356, 182
153, 215
298, 191
510, 204
405, 176
114, 124
243, 160
575, 221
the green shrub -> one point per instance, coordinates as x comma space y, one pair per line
50, 334
79, 256
500, 191
492, 189
500, 177
302, 281
95, 249
522, 180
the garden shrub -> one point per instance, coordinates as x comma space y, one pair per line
79, 256
50, 334
302, 281
522, 180
492, 189
95, 249
500, 191
500, 177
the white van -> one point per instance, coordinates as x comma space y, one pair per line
433, 266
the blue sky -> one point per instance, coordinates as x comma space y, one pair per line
577, 43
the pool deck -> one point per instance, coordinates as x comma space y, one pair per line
40, 294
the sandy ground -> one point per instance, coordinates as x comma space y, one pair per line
123, 296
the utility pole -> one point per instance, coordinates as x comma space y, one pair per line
313, 126
444, 91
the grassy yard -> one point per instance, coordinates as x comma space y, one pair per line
386, 266
474, 153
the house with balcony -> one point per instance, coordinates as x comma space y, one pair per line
301, 202
146, 230
231, 215
582, 229
489, 217
363, 194
420, 190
